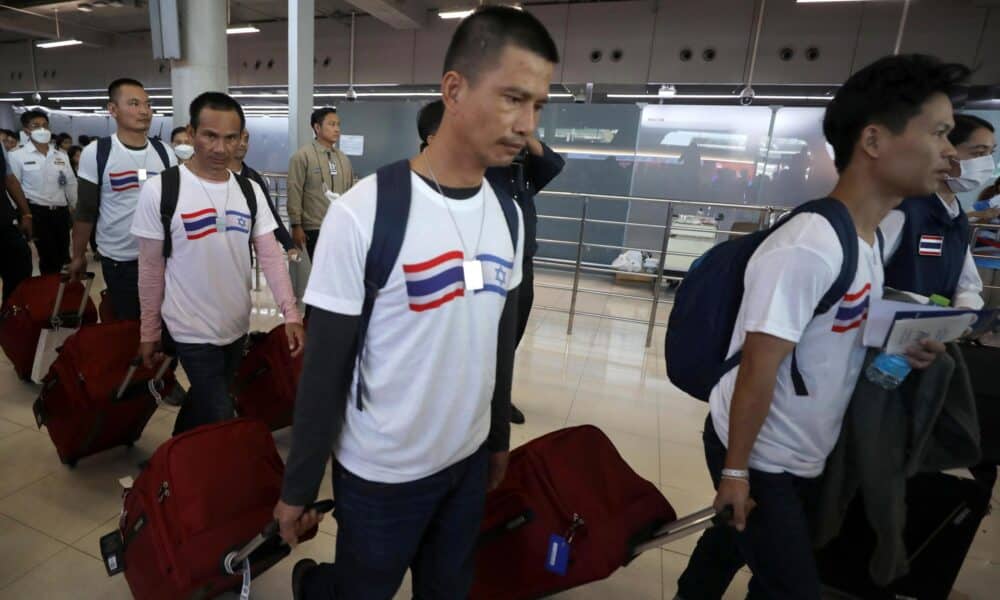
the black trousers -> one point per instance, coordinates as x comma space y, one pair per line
312, 236
15, 258
51, 227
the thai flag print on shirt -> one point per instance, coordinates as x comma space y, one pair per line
435, 282
202, 223
930, 245
853, 310
124, 181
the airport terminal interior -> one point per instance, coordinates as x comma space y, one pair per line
682, 124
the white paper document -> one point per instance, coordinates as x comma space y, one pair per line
898, 325
352, 145
907, 332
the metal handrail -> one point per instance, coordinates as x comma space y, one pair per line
768, 215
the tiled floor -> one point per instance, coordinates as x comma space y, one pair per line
51, 517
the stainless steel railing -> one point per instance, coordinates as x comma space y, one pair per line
578, 267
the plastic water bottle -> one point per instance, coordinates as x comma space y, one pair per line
889, 370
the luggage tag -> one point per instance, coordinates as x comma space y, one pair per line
245, 589
557, 553
113, 552
473, 273
143, 174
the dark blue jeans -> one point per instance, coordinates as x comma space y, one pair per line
430, 526
776, 543
122, 279
211, 370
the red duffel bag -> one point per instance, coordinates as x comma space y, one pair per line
268, 379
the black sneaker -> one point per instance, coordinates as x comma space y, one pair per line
298, 574
516, 416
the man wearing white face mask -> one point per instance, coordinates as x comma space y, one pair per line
181, 143
927, 238
49, 184
318, 173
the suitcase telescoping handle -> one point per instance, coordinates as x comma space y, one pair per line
693, 523
132, 366
232, 563
64, 278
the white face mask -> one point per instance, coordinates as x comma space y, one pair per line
42, 136
975, 173
184, 151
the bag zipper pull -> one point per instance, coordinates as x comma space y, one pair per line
577, 523
164, 491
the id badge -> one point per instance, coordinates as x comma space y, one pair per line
333, 168
220, 224
142, 175
473, 273
557, 555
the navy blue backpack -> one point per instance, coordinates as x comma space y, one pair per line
708, 301
392, 211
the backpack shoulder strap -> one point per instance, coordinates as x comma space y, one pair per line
392, 211
103, 155
251, 197
170, 188
836, 213
501, 179
162, 151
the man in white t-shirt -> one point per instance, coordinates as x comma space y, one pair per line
416, 453
201, 290
107, 199
769, 433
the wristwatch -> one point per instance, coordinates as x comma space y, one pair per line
736, 473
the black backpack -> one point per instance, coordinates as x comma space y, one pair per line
104, 154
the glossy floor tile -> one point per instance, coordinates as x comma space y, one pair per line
51, 517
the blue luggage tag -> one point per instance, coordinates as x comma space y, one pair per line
557, 555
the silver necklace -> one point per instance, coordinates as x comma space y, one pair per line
454, 222
220, 219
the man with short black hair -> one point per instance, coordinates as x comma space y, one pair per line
417, 445
9, 140
318, 173
776, 417
238, 166
197, 274
111, 173
49, 184
181, 143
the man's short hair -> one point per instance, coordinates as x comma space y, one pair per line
317, 116
28, 116
117, 85
965, 125
8, 132
84, 139
177, 130
215, 101
428, 120
888, 92
482, 36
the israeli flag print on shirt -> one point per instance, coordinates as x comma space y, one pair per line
496, 273
853, 310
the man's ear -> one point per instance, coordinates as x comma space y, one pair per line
873, 138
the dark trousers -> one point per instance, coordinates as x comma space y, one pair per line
15, 257
525, 296
429, 526
776, 543
51, 229
122, 279
211, 370
312, 236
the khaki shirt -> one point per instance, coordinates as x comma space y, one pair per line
308, 172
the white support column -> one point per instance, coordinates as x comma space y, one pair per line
204, 65
301, 53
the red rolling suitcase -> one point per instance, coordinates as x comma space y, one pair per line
96, 394
202, 494
37, 305
570, 483
268, 379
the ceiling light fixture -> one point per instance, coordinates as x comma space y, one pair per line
85, 7
58, 42
241, 29
455, 14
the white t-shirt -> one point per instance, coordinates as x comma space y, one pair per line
785, 280
207, 295
430, 353
120, 193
